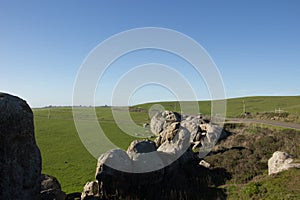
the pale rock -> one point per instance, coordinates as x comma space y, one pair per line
281, 161
161, 120
91, 189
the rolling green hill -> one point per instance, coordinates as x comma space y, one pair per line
66, 158
259, 104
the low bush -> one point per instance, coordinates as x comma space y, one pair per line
245, 155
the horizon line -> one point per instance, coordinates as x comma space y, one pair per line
165, 101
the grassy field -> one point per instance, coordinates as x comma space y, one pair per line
284, 185
260, 104
66, 158
63, 154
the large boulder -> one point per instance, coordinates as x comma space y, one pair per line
144, 157
51, 189
175, 150
141, 146
193, 125
167, 134
281, 161
20, 158
179, 180
116, 159
112, 170
176, 140
202, 133
164, 169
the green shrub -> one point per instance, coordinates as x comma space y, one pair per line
283, 186
252, 189
245, 155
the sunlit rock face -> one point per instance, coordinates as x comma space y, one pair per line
166, 168
281, 161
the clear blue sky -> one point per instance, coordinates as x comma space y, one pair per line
255, 45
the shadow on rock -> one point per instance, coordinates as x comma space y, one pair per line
167, 168
183, 179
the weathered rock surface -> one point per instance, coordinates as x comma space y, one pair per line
141, 146
176, 140
20, 158
281, 161
202, 133
177, 174
167, 134
51, 189
116, 158
144, 156
179, 180
163, 119
204, 164
112, 171
91, 189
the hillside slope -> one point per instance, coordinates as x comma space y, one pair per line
235, 106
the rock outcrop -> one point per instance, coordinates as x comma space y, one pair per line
178, 180
20, 158
163, 119
202, 134
164, 169
281, 161
176, 140
141, 146
91, 189
51, 189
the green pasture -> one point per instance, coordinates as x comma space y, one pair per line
235, 107
65, 157
63, 154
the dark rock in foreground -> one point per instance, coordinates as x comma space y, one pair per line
181, 180
20, 158
51, 189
